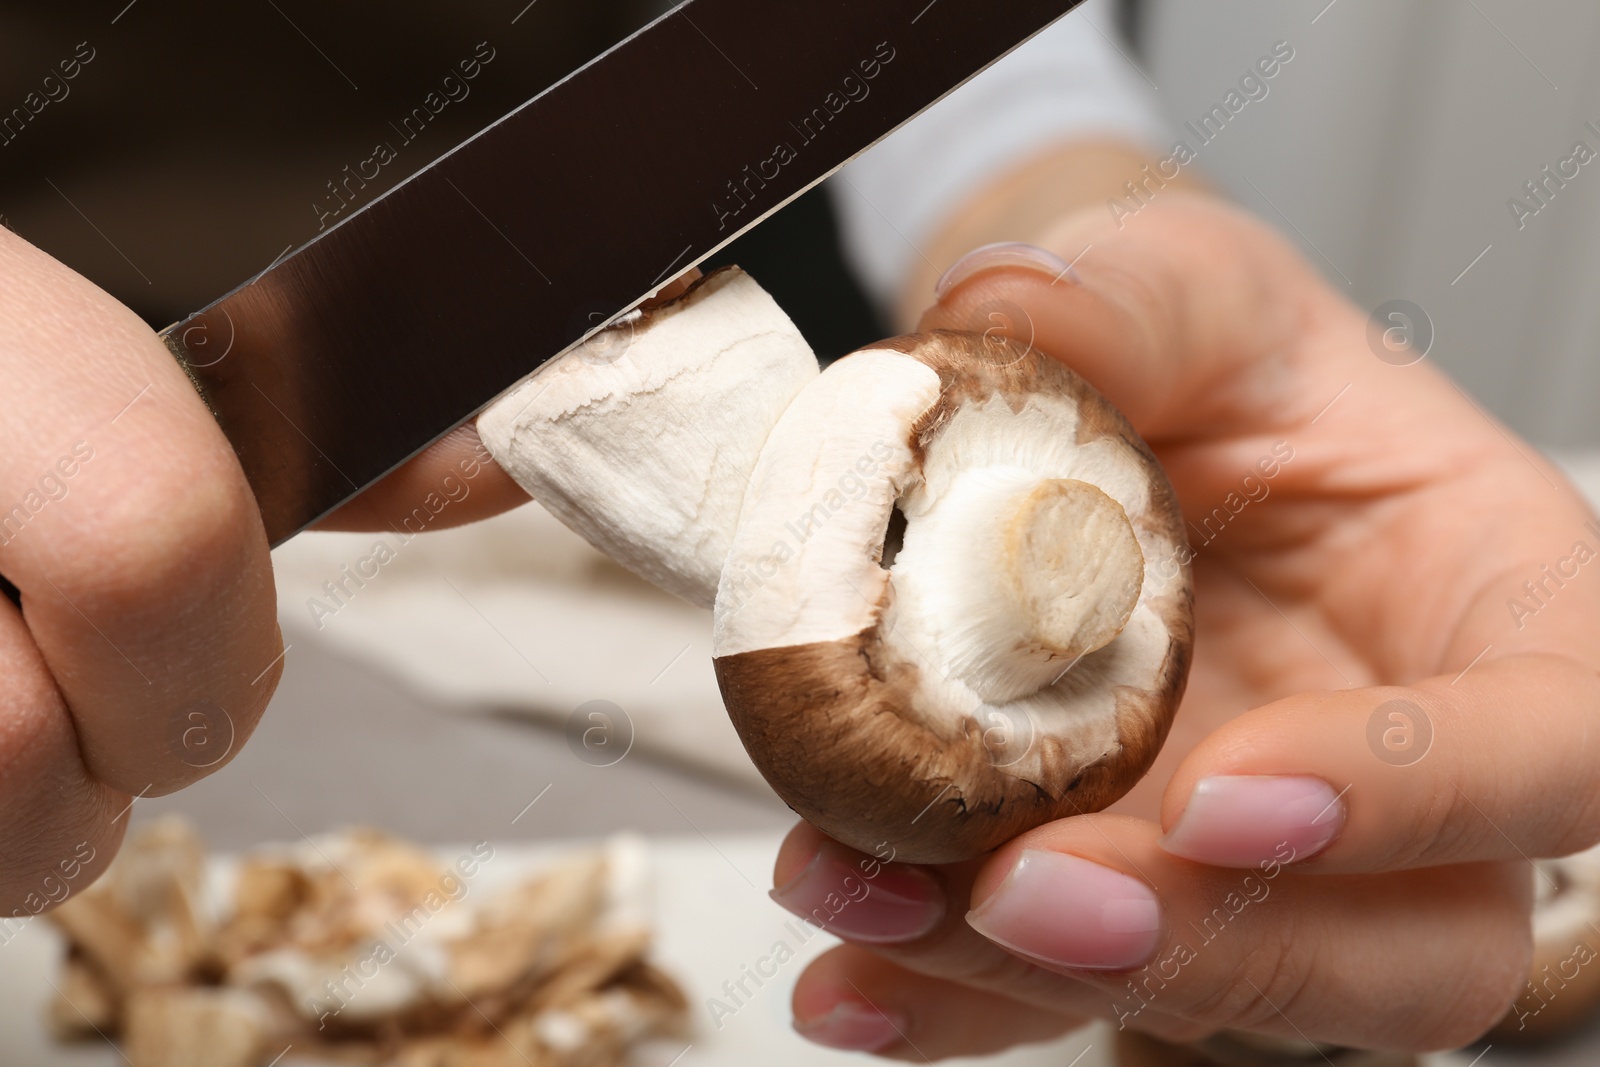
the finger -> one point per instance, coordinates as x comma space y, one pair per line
914, 917
1335, 958
851, 999
1165, 320
58, 827
1485, 768
128, 526
452, 483
673, 289
1223, 349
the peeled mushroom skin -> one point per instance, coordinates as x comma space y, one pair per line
641, 438
552, 970
85, 1005
195, 1027
1021, 658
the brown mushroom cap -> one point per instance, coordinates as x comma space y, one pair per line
877, 699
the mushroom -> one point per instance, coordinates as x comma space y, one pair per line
144, 923
366, 949
952, 597
177, 1026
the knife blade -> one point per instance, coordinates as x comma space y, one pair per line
348, 357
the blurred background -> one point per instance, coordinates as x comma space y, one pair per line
196, 143
1390, 149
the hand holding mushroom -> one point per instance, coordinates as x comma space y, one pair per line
1373, 748
1334, 842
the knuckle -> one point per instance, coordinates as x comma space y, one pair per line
1577, 828
1491, 914
1482, 1000
201, 738
180, 528
1581, 835
1573, 828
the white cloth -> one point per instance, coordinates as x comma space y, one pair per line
1074, 80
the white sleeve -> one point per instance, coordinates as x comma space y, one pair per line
1074, 80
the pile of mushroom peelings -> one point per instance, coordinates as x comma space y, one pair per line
357, 948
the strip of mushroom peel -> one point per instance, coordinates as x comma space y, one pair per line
804, 565
642, 439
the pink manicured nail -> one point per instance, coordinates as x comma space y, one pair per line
993, 257
852, 1028
1248, 820
861, 899
1072, 913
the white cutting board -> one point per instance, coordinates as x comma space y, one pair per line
713, 919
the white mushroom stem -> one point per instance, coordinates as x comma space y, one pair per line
1054, 574
803, 565
643, 438
1074, 566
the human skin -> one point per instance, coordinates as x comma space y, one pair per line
146, 585
1377, 568
146, 646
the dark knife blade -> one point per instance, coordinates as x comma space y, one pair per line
347, 358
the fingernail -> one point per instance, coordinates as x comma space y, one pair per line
1248, 820
853, 1028
1072, 913
993, 257
862, 899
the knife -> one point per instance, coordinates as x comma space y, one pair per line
348, 357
